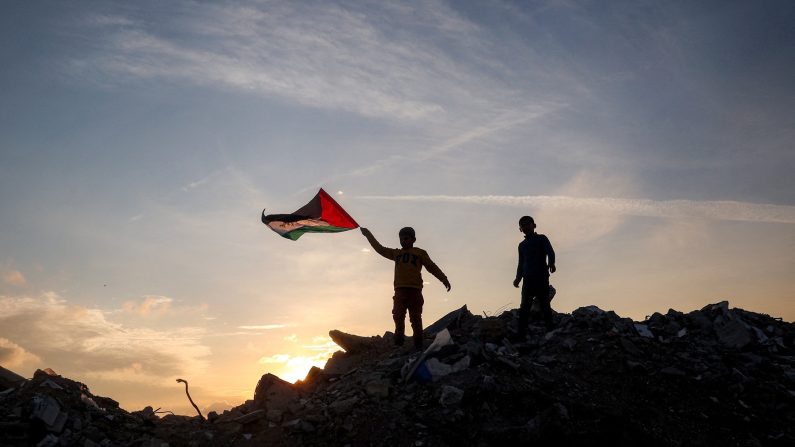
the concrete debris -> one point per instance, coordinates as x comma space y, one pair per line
10, 379
716, 376
273, 393
451, 320
451, 396
643, 330
354, 344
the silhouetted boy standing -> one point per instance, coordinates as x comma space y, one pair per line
534, 251
409, 260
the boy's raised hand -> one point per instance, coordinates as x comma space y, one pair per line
366, 232
446, 283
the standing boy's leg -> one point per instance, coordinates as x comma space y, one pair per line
524, 307
399, 302
415, 302
542, 295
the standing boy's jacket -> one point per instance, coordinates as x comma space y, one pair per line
534, 251
409, 263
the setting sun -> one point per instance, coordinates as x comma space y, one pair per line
297, 367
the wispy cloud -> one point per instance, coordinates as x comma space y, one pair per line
81, 340
720, 209
155, 306
14, 278
12, 355
503, 122
325, 55
263, 327
277, 358
150, 305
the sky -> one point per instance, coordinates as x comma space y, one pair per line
140, 141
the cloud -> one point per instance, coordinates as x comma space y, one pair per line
150, 305
278, 358
263, 327
12, 355
82, 341
377, 60
207, 178
15, 278
676, 209
156, 306
503, 122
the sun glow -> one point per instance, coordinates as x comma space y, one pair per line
297, 367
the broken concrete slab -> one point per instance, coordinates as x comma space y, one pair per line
451, 319
10, 379
273, 393
732, 333
354, 344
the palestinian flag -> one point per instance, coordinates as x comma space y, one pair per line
321, 215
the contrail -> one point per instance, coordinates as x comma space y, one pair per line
720, 209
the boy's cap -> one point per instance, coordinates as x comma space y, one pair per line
407, 231
526, 219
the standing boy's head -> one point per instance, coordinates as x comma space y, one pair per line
527, 225
407, 237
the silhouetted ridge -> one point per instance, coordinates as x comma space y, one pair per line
716, 376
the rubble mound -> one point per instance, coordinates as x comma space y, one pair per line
716, 376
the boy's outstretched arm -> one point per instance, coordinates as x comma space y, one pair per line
380, 249
437, 272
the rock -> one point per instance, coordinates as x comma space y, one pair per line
251, 417
587, 312
10, 379
451, 396
492, 330
643, 331
452, 319
672, 372
354, 344
341, 363
343, 406
274, 415
732, 333
45, 409
378, 388
273, 393
48, 441
630, 347
437, 369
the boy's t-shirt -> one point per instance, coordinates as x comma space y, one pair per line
409, 263
534, 251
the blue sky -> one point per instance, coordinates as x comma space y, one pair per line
140, 141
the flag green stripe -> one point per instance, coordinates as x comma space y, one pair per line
295, 234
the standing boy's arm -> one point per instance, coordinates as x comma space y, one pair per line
436, 271
550, 255
380, 249
518, 269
